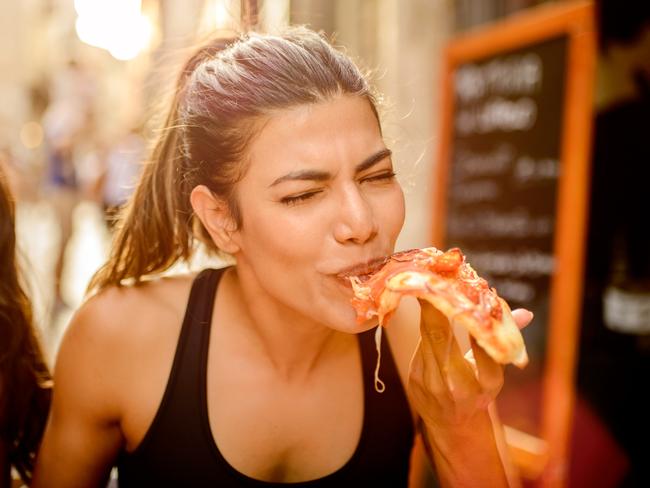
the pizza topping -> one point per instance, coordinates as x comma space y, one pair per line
493, 304
470, 290
450, 284
449, 262
411, 266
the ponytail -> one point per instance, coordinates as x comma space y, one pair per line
154, 229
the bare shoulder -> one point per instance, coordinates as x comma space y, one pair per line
161, 296
110, 373
122, 315
110, 333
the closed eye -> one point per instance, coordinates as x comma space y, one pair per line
303, 197
385, 176
295, 199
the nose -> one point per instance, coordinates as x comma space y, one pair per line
355, 219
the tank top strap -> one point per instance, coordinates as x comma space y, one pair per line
192, 347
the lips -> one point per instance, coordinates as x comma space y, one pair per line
363, 270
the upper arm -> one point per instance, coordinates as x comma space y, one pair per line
83, 435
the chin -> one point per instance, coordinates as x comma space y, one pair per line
340, 315
348, 323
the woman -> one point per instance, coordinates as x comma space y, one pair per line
258, 374
24, 376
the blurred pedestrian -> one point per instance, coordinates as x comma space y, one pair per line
123, 165
67, 121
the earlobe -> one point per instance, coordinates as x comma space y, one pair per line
214, 214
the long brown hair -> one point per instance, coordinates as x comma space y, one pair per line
223, 93
25, 382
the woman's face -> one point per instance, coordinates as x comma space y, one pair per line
319, 198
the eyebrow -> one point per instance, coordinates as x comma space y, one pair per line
315, 175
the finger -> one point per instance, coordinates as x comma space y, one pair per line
437, 335
440, 347
430, 378
416, 361
522, 317
490, 373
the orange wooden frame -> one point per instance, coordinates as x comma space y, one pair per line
575, 19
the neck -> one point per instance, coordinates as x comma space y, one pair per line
292, 344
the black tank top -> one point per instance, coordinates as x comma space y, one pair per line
179, 450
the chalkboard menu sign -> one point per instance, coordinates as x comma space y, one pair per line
502, 190
511, 187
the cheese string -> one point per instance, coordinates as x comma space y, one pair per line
379, 385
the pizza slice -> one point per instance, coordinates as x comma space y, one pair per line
450, 284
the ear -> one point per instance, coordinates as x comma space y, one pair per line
214, 214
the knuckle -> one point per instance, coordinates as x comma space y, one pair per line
468, 393
435, 335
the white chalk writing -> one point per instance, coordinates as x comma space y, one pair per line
476, 191
523, 263
470, 164
497, 114
517, 74
516, 223
528, 170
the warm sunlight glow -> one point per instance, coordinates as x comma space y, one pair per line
222, 17
117, 26
219, 15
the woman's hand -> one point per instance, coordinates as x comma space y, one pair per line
447, 389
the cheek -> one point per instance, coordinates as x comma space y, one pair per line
392, 212
279, 234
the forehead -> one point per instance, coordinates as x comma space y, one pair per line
316, 136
